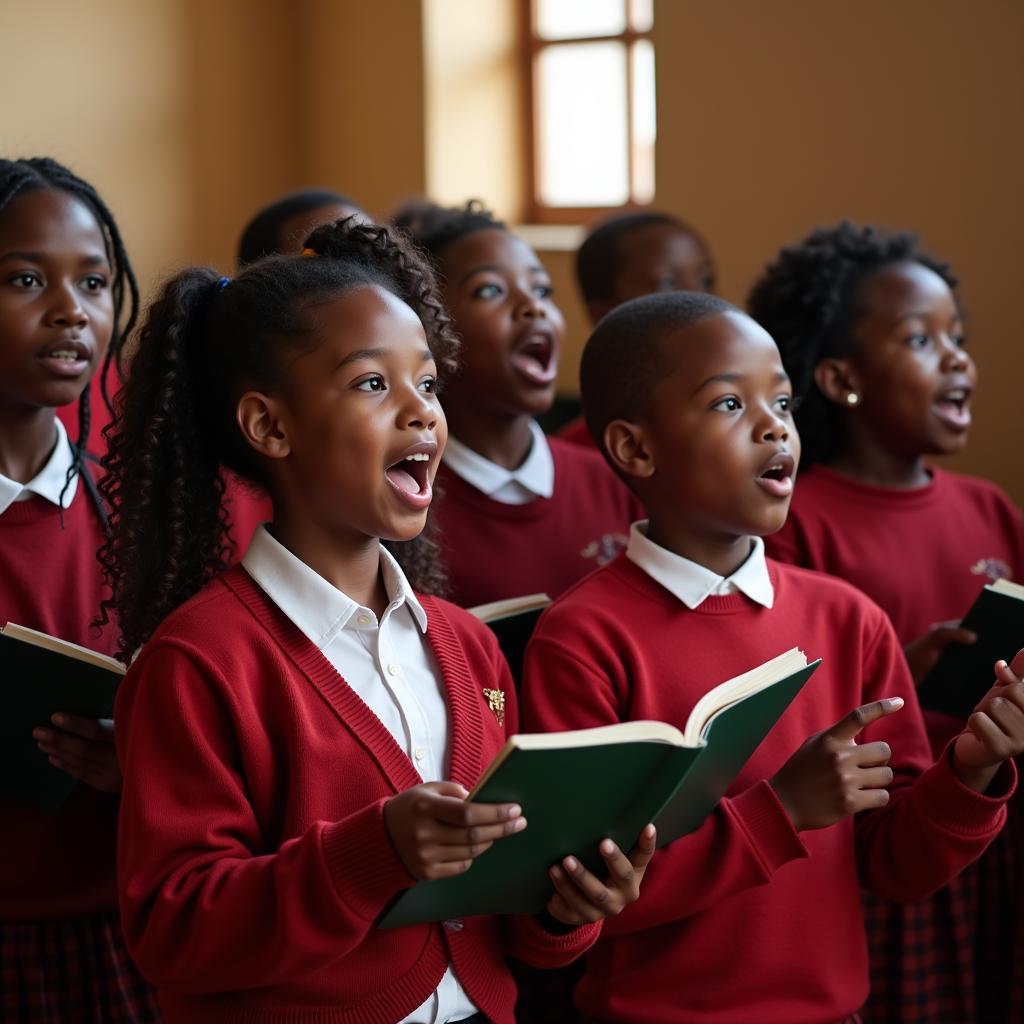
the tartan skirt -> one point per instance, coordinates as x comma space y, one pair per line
73, 971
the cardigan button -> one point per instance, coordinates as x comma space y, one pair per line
454, 924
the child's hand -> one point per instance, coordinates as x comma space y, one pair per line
923, 653
995, 730
581, 898
830, 777
438, 833
84, 748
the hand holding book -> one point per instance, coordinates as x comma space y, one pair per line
83, 748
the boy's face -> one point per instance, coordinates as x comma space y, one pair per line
719, 433
909, 365
658, 258
500, 300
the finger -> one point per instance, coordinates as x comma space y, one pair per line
952, 634
452, 835
460, 812
1006, 715
1011, 692
595, 892
560, 910
1017, 665
63, 744
869, 755
1005, 676
97, 729
641, 854
989, 735
623, 874
847, 728
448, 788
99, 779
875, 778
580, 908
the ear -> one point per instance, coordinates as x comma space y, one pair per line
259, 419
626, 445
837, 379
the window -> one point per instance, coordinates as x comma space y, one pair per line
591, 78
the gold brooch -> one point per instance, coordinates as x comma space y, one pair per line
496, 702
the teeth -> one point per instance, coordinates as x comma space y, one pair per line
955, 396
418, 457
63, 354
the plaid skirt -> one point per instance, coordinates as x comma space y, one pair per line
957, 956
71, 972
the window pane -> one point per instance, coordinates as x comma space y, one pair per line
582, 157
564, 19
641, 15
644, 124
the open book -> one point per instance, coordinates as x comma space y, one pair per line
963, 674
512, 621
41, 675
576, 788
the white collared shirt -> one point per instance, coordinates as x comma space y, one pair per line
535, 478
49, 481
691, 582
388, 663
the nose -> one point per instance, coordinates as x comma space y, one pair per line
955, 357
531, 305
421, 410
773, 428
66, 309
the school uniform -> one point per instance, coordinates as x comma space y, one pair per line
923, 554
61, 950
746, 921
538, 528
287, 715
576, 432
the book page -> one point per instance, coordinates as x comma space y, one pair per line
65, 647
1008, 588
509, 606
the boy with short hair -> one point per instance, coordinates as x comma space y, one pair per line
756, 916
636, 254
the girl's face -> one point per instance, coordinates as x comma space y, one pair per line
56, 305
500, 299
360, 426
909, 365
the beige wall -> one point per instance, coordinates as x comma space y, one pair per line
773, 117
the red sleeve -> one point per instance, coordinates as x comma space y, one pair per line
933, 825
203, 909
741, 844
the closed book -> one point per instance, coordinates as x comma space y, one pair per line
41, 675
963, 674
512, 621
576, 788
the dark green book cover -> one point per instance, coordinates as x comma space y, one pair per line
964, 673
575, 796
38, 682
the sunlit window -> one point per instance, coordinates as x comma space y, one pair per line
592, 81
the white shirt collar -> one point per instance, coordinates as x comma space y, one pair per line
535, 478
49, 481
693, 583
317, 607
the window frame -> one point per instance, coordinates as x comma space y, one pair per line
538, 212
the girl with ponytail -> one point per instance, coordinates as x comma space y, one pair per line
299, 732
67, 301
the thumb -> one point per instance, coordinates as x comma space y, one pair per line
1017, 665
447, 788
847, 728
951, 633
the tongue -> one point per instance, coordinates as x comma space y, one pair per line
402, 480
531, 367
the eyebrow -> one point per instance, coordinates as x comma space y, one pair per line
737, 378
494, 268
93, 260
921, 314
377, 353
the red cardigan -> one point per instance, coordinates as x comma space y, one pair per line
745, 921
253, 857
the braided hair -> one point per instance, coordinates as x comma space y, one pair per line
204, 342
808, 300
19, 177
433, 228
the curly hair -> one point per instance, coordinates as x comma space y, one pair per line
204, 342
808, 300
433, 228
31, 174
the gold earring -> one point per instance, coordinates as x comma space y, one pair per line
852, 398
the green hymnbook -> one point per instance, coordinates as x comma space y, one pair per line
40, 675
576, 788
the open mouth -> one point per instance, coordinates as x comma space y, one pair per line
68, 358
534, 358
953, 407
777, 475
410, 477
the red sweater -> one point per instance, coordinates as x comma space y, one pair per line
56, 865
575, 432
493, 551
253, 856
923, 554
745, 920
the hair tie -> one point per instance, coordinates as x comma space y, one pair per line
309, 252
223, 283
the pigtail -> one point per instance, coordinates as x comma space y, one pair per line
807, 300
163, 486
389, 257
